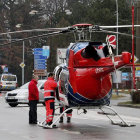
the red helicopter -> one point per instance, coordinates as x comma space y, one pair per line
85, 79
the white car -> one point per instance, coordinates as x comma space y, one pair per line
20, 95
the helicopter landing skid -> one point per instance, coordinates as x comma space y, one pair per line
122, 123
42, 124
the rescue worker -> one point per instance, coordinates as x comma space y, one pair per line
33, 98
69, 112
68, 115
50, 88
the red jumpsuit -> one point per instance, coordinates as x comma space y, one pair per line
49, 96
68, 113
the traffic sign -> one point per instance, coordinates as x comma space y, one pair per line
136, 59
37, 49
137, 73
22, 65
39, 71
61, 55
37, 52
40, 64
39, 67
46, 51
39, 57
40, 61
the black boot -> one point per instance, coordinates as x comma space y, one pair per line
49, 123
61, 120
68, 119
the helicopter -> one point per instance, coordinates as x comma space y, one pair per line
84, 81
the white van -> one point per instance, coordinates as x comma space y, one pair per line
8, 81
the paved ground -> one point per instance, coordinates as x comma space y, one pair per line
14, 125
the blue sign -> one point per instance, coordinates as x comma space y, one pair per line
125, 76
37, 52
39, 57
5, 69
46, 51
37, 49
137, 73
40, 61
39, 67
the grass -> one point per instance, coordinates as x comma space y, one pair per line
129, 104
123, 91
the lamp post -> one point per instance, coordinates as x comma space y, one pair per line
22, 64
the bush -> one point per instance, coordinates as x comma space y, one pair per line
135, 95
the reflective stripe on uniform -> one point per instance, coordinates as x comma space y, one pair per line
49, 97
69, 115
49, 91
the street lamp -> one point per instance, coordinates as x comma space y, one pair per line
22, 64
68, 12
33, 12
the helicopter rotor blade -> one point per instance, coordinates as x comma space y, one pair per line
112, 32
25, 31
37, 30
67, 28
38, 36
120, 26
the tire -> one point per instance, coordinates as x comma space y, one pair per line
13, 104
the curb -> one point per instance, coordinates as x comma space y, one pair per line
128, 105
124, 90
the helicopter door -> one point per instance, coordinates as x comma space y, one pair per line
63, 79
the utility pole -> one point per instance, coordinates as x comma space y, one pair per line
117, 86
138, 31
133, 48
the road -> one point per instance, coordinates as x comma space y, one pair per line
91, 126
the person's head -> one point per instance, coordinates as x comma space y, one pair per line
35, 77
51, 74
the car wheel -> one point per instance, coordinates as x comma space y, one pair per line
13, 105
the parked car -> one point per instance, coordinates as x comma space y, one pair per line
20, 95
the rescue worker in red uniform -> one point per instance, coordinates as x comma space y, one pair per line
69, 112
33, 98
50, 88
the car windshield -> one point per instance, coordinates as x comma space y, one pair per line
9, 78
25, 86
